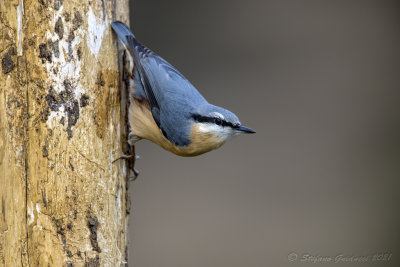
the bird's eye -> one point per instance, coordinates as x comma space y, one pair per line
218, 121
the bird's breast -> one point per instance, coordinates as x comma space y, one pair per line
143, 125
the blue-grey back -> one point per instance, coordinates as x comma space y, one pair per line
176, 96
172, 97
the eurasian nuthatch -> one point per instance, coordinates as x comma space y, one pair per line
166, 108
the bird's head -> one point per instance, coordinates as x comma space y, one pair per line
217, 122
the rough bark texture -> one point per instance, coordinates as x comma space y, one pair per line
63, 201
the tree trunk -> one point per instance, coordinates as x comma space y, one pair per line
63, 200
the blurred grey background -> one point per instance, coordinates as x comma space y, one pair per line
320, 82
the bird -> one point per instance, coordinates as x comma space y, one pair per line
166, 109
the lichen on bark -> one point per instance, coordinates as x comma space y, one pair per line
63, 200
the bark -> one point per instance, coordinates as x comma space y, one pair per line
63, 200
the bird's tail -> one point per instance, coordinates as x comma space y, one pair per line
123, 31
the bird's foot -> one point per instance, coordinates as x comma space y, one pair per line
135, 174
132, 139
123, 157
131, 157
131, 162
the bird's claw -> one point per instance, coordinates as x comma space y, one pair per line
135, 174
134, 170
123, 157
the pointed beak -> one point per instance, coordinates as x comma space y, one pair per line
245, 129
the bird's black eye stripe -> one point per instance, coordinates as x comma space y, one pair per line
200, 118
217, 121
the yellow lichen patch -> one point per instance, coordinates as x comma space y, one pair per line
106, 98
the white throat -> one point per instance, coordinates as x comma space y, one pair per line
220, 132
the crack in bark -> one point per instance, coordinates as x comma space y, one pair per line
26, 157
125, 103
92, 161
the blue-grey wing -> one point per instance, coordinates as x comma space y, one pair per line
171, 96
138, 92
175, 95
